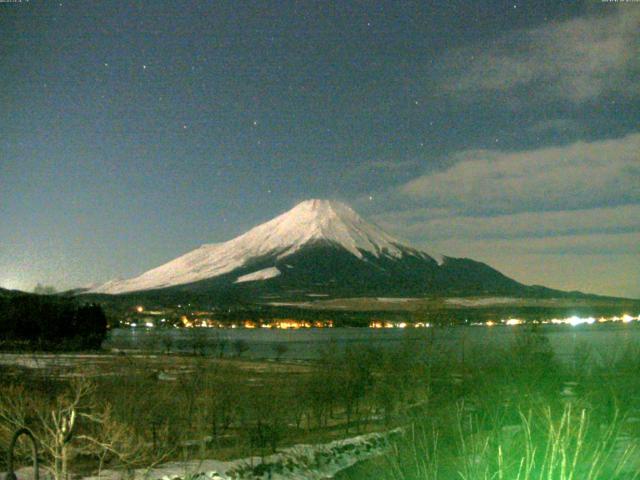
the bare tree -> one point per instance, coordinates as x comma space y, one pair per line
197, 340
280, 349
72, 424
240, 346
167, 341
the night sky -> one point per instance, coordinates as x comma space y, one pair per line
133, 132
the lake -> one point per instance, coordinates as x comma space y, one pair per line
604, 339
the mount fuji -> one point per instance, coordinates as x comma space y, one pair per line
322, 248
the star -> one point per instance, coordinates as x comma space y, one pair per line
106, 64
184, 127
370, 198
144, 67
255, 123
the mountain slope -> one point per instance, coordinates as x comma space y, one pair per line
308, 222
318, 247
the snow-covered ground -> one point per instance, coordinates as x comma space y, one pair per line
481, 302
299, 462
45, 360
395, 299
290, 304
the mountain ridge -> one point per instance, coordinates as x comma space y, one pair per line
318, 247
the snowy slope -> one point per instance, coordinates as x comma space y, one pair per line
307, 222
263, 274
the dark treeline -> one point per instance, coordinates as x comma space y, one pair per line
44, 322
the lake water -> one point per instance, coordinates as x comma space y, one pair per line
605, 340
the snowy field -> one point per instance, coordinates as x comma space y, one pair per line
299, 462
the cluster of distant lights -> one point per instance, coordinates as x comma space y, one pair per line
378, 324
187, 322
275, 325
574, 320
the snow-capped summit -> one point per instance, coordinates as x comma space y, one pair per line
308, 223
324, 220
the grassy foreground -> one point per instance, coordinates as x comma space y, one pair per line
517, 414
513, 413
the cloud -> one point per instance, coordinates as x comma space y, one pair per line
576, 60
436, 225
589, 250
581, 175
582, 244
566, 217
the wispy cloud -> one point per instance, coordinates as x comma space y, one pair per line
583, 244
436, 226
576, 60
595, 250
577, 176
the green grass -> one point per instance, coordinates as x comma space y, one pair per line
517, 414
